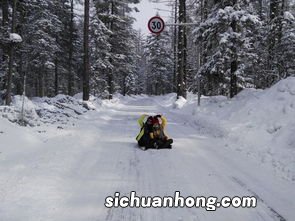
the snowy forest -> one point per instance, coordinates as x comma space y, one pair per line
50, 48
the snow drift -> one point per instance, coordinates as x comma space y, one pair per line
61, 109
259, 123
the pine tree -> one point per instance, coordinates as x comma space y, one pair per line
122, 56
125, 55
280, 42
100, 54
40, 45
286, 46
140, 65
160, 63
228, 46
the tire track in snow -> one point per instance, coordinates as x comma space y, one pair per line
273, 211
127, 165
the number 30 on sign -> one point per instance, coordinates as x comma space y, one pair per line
156, 25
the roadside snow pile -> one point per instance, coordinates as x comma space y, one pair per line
13, 113
180, 102
258, 123
206, 117
262, 124
15, 140
61, 109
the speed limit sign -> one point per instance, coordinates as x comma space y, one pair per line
156, 25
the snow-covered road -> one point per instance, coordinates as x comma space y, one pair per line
65, 175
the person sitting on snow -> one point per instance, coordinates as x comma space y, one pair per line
152, 133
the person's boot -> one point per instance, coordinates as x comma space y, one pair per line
156, 145
167, 144
170, 141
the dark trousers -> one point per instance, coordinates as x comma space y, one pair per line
145, 141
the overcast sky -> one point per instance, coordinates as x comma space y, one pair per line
148, 10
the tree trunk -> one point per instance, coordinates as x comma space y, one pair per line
273, 16
175, 48
124, 91
20, 80
181, 70
86, 65
274, 8
41, 82
280, 62
233, 78
5, 20
110, 75
261, 9
9, 75
13, 25
234, 63
5, 15
37, 85
110, 86
184, 53
203, 52
200, 56
10, 55
70, 77
56, 76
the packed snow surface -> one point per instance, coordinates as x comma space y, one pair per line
77, 154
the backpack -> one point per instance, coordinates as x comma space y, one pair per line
147, 123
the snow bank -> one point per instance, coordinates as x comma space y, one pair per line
263, 124
181, 101
260, 124
14, 112
61, 109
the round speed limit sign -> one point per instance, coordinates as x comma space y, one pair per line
156, 25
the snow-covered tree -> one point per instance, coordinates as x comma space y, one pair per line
140, 65
229, 46
121, 42
100, 56
281, 41
160, 63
